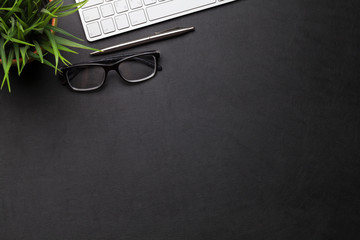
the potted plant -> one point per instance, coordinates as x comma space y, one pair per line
28, 31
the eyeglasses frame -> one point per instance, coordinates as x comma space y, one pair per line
109, 64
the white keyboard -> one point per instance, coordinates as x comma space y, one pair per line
105, 18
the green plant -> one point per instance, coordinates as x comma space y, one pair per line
27, 33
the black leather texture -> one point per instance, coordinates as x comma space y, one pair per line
250, 131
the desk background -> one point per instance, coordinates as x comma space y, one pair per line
251, 131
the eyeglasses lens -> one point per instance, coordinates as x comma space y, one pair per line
138, 68
86, 78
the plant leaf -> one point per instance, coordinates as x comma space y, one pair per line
6, 62
39, 51
35, 56
61, 31
24, 56
17, 57
56, 53
69, 43
8, 38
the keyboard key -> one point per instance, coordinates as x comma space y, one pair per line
135, 4
121, 6
91, 14
107, 10
137, 17
91, 3
129, 15
173, 7
148, 2
108, 25
122, 21
93, 29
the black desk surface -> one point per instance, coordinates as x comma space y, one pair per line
251, 131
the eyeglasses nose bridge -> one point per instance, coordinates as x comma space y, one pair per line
114, 67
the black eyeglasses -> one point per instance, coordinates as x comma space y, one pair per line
132, 68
